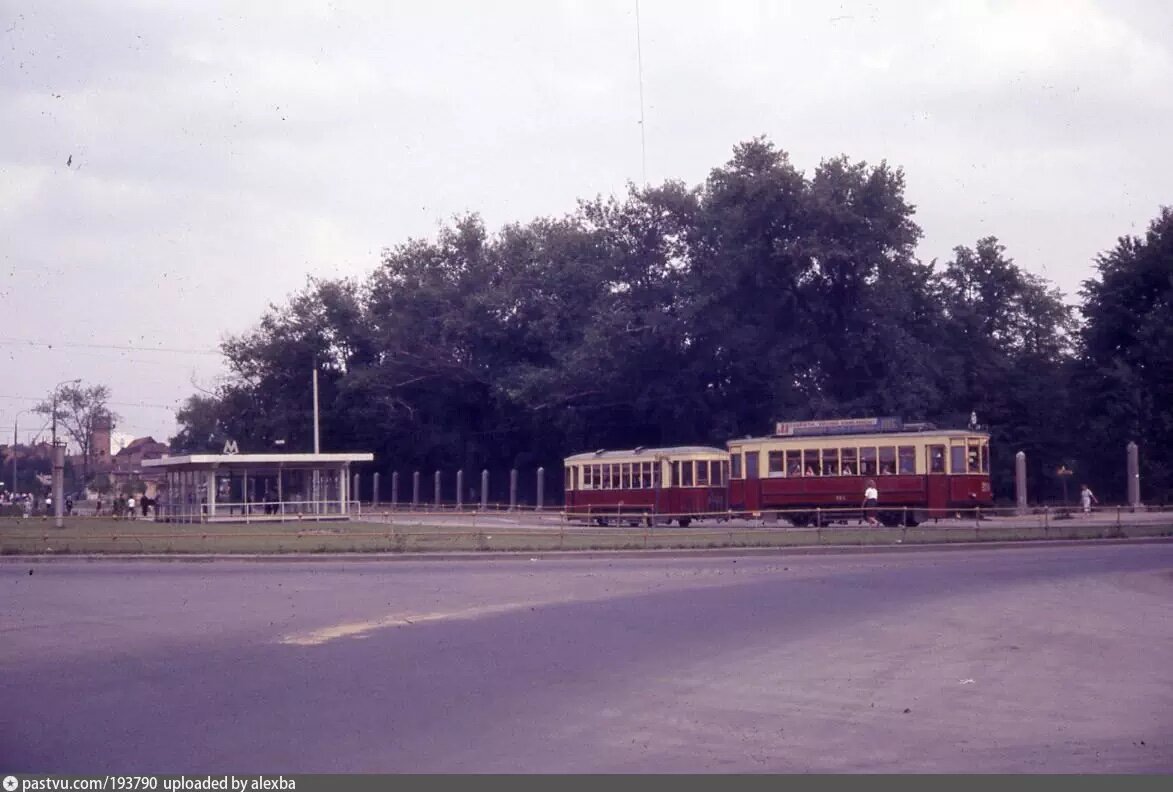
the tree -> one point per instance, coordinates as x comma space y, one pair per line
1007, 349
669, 314
1126, 357
80, 410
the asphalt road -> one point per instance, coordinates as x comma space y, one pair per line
1026, 659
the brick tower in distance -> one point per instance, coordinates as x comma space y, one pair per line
100, 443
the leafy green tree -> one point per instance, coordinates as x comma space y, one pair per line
1126, 359
670, 314
1007, 347
80, 409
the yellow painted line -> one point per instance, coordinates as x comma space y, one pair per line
363, 629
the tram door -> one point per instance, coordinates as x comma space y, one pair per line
936, 479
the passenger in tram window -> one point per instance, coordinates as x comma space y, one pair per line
886, 469
795, 469
937, 462
847, 471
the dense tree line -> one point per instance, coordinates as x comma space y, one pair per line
683, 314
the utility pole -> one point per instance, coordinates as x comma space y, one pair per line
58, 461
317, 440
316, 479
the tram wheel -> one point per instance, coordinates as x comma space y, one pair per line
683, 522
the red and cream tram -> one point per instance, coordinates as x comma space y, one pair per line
808, 467
647, 484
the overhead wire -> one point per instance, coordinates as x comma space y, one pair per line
124, 347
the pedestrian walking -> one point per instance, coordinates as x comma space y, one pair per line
1087, 498
871, 498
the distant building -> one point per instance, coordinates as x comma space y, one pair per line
100, 443
127, 464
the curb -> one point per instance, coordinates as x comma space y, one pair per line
491, 555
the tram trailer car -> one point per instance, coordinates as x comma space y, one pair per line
807, 467
647, 485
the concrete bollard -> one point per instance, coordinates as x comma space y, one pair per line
437, 488
513, 489
1020, 483
484, 490
415, 489
459, 490
1133, 476
375, 490
541, 487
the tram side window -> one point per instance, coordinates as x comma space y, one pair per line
657, 474
647, 474
751, 465
985, 457
702, 473
724, 472
849, 464
794, 463
735, 466
613, 478
867, 461
974, 458
675, 474
686, 474
957, 459
887, 460
907, 455
775, 463
830, 461
810, 462
936, 459
625, 473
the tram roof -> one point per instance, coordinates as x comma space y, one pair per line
856, 437
644, 453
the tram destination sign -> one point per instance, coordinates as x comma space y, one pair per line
838, 426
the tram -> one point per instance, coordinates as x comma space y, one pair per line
808, 467
647, 485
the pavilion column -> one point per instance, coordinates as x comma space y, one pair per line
344, 487
211, 480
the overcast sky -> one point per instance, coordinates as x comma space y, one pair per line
168, 169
